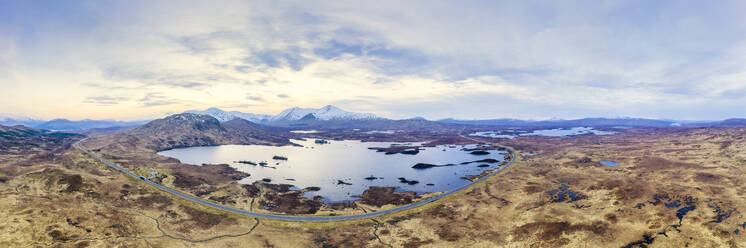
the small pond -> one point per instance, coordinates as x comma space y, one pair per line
351, 162
608, 163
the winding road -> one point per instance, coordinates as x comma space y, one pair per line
297, 218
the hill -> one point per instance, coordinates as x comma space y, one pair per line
21, 139
186, 130
733, 122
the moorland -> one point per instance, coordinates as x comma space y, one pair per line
671, 187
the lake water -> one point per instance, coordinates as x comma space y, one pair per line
381, 132
306, 131
323, 165
608, 163
557, 132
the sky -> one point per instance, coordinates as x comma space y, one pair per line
132, 60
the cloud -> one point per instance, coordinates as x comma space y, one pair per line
255, 98
143, 77
194, 44
384, 58
125, 72
158, 103
660, 59
734, 93
105, 86
289, 57
156, 99
242, 68
186, 84
152, 96
334, 49
105, 100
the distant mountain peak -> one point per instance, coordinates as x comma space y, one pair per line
189, 116
325, 113
224, 116
418, 118
67, 125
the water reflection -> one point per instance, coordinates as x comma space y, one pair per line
325, 165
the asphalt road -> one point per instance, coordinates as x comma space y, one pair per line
296, 218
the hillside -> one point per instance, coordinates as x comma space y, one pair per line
185, 130
69, 125
245, 131
734, 122
21, 139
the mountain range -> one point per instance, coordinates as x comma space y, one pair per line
224, 116
326, 113
284, 118
69, 125
29, 122
333, 117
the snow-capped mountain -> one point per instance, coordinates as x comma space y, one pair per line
325, 113
224, 116
293, 114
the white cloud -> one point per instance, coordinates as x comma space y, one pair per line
568, 59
